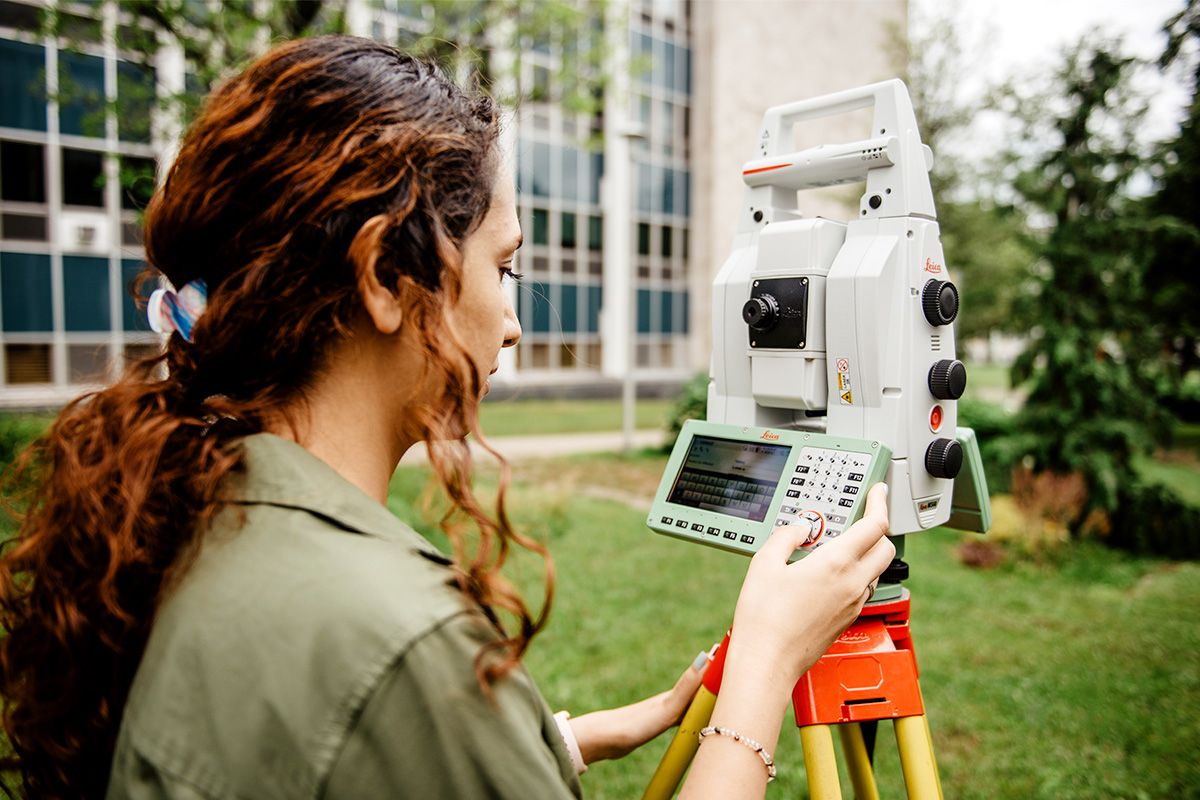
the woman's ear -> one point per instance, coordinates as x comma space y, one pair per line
382, 305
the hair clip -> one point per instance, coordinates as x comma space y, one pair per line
170, 311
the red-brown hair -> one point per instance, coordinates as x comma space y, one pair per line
326, 157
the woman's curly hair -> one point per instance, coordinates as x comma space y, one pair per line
325, 158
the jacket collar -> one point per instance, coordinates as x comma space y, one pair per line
282, 473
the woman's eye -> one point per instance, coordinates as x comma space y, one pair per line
506, 271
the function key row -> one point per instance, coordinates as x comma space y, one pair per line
711, 531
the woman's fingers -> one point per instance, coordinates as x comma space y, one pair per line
863, 535
785, 540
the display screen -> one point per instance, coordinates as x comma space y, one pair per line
730, 476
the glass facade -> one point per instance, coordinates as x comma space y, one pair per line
76, 165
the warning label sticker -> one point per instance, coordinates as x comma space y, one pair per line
845, 389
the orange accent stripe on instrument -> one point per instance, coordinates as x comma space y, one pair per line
765, 169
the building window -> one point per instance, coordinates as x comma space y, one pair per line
643, 239
81, 98
135, 100
595, 233
22, 172
133, 318
137, 182
594, 298
22, 86
665, 242
569, 307
25, 299
23, 227
83, 177
643, 310
541, 226
567, 233
26, 363
87, 363
85, 294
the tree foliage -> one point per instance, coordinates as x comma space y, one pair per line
983, 239
1172, 283
1095, 376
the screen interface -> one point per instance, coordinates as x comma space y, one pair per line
730, 476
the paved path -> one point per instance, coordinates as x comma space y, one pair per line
520, 448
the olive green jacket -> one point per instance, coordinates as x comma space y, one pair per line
317, 648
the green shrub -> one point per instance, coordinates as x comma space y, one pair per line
17, 431
1152, 519
692, 403
993, 428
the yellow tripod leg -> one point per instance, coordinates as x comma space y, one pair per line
916, 759
820, 763
683, 747
933, 755
862, 775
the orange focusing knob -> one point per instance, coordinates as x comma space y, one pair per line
935, 419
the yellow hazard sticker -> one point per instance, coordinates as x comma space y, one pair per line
845, 391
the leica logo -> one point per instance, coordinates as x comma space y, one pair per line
932, 266
770, 437
854, 637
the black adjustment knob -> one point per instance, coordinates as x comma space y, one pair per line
947, 379
761, 313
939, 301
944, 458
896, 572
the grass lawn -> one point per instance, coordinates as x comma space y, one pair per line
1072, 678
537, 417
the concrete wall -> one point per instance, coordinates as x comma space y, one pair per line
753, 54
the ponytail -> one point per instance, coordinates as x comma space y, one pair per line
108, 504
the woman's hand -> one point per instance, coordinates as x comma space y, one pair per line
788, 614
615, 732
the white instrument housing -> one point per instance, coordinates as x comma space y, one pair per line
862, 368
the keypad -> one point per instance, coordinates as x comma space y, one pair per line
826, 483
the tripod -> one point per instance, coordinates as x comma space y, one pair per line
869, 674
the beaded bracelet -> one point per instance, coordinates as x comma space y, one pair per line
768, 762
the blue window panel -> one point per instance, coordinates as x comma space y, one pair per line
539, 180
595, 296
597, 173
135, 100
666, 315
541, 226
685, 192
133, 318
685, 79
22, 86
535, 307
25, 299
669, 66
569, 307
644, 299
645, 196
668, 192
570, 174
81, 94
85, 294
686, 298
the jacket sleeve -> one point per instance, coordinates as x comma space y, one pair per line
427, 730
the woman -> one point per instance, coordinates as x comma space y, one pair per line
208, 597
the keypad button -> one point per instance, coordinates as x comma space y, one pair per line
696, 526
846, 502
730, 535
714, 531
797, 481
856, 476
667, 521
681, 523
788, 509
802, 470
793, 493
850, 489
748, 539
